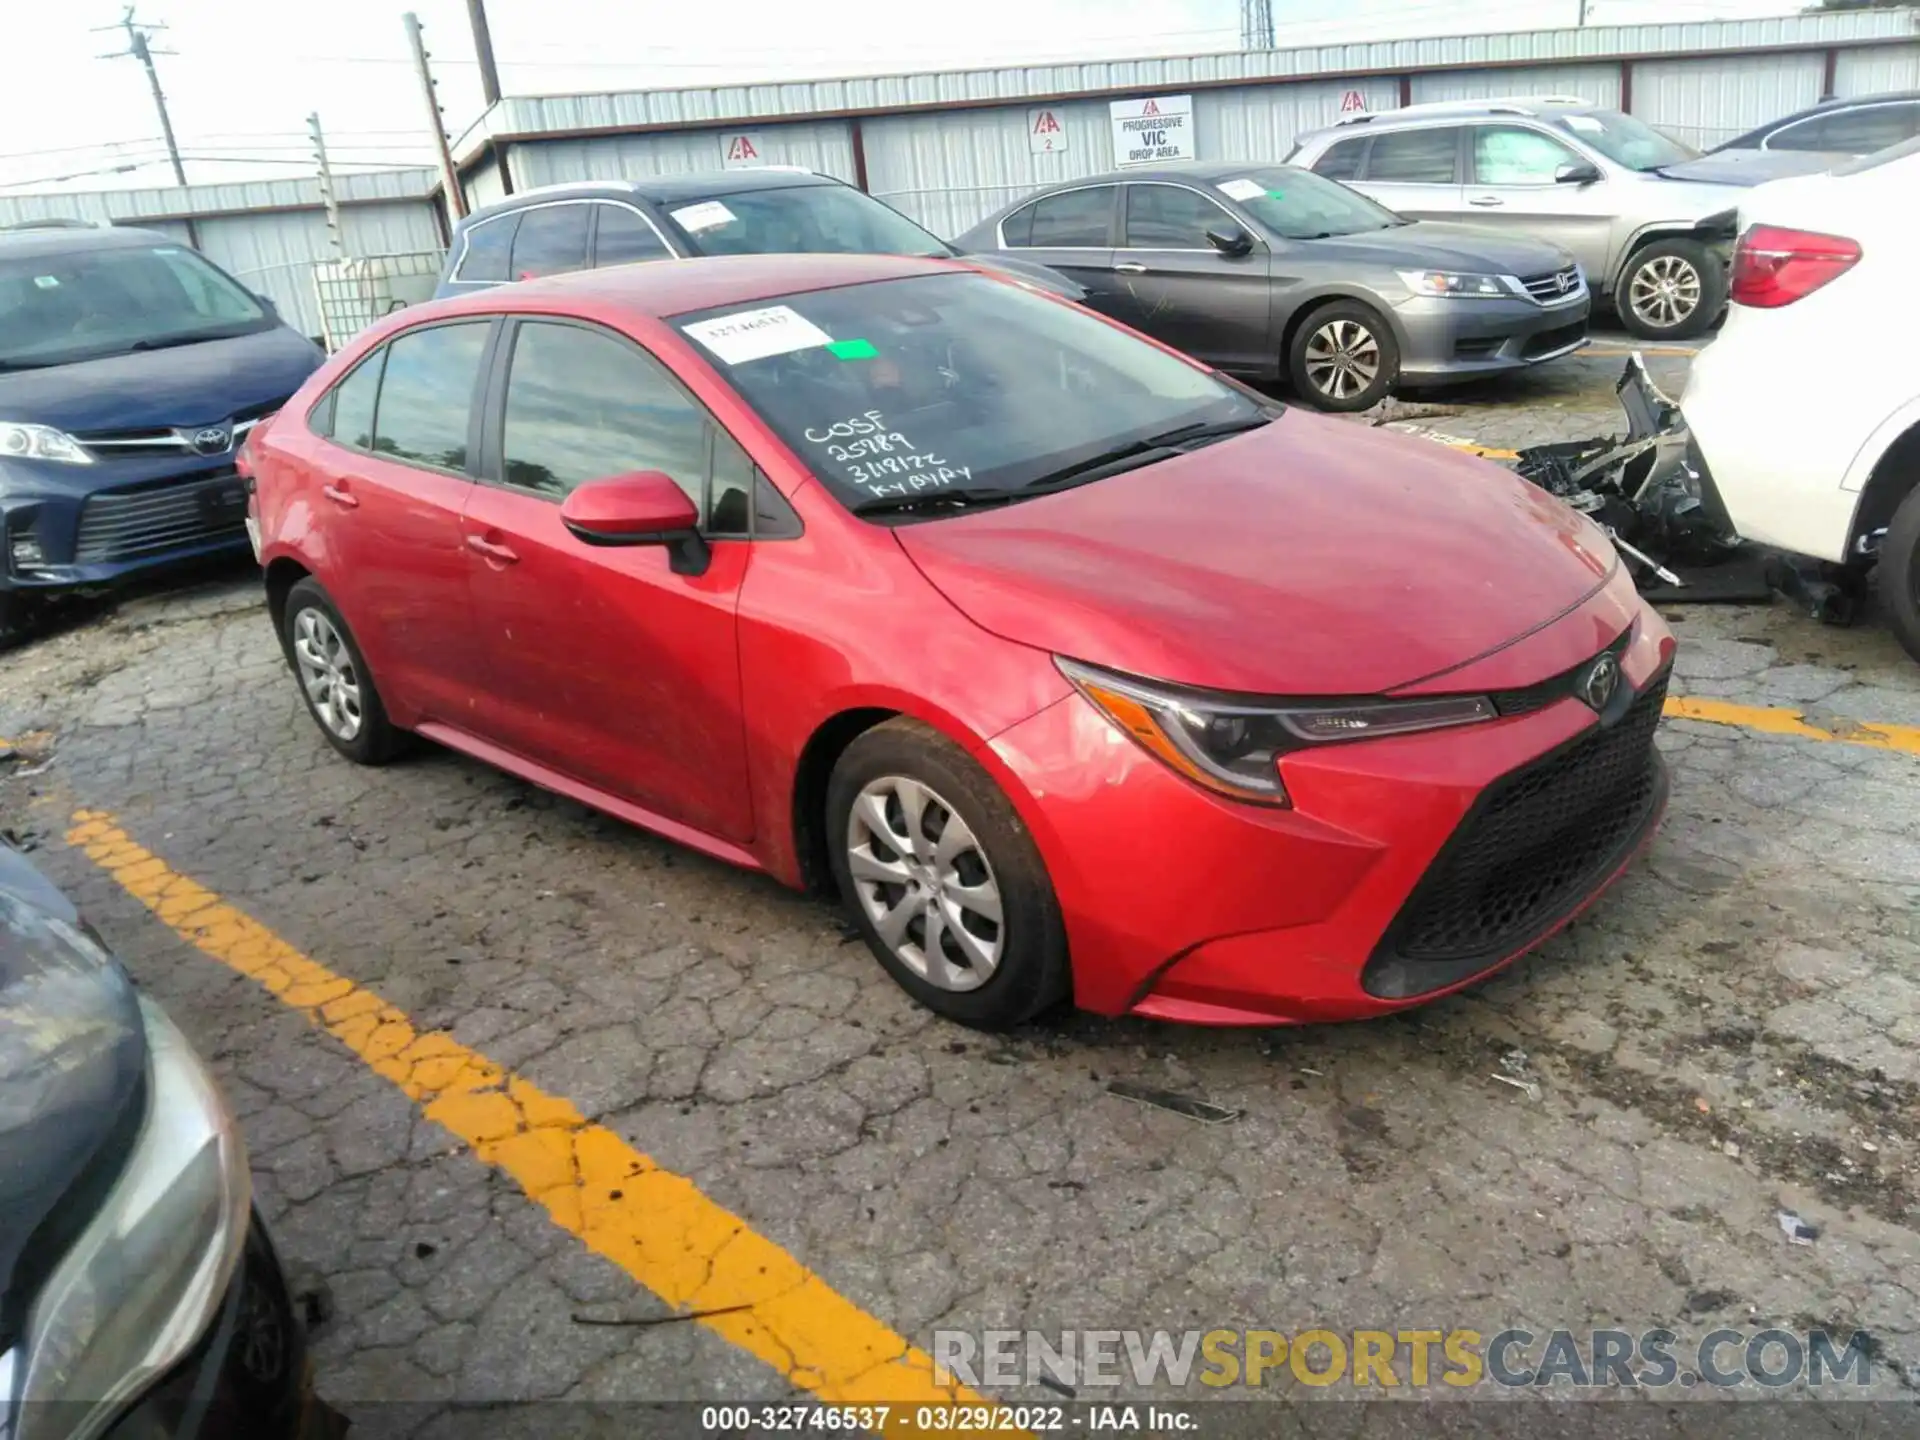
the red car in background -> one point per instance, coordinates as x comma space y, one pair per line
1082, 672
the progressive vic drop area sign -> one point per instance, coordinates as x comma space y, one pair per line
1153, 131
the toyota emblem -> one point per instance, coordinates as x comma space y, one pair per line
1601, 681
213, 440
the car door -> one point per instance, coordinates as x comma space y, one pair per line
551, 240
1184, 290
1415, 172
1512, 186
395, 474
1070, 231
603, 664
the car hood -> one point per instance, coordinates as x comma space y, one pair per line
1746, 167
187, 385
1310, 557
1042, 276
72, 1070
1433, 245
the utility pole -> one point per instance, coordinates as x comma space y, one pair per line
1256, 24
483, 50
1583, 14
327, 197
456, 201
138, 48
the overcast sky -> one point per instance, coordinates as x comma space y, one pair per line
246, 73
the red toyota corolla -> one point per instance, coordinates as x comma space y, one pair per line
1081, 671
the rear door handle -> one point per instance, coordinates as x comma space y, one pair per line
338, 494
1486, 201
500, 554
1129, 267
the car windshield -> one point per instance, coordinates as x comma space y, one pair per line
90, 303
801, 219
1300, 205
943, 391
1625, 140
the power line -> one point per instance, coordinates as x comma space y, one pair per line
138, 48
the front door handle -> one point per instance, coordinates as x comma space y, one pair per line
497, 554
1486, 201
339, 496
1130, 267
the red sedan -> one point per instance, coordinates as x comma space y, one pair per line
1080, 671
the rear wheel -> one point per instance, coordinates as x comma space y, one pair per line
1899, 579
1672, 290
1343, 357
943, 880
334, 679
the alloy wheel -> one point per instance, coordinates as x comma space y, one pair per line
1665, 291
1343, 359
925, 884
327, 673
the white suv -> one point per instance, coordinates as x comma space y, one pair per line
1805, 411
1648, 219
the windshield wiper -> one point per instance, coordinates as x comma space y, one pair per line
1202, 431
1146, 451
934, 499
169, 342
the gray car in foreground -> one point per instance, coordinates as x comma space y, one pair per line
1271, 272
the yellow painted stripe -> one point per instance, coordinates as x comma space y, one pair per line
698, 1257
1613, 352
1771, 721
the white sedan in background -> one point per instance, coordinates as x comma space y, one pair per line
1805, 411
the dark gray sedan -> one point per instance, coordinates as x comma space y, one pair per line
1270, 272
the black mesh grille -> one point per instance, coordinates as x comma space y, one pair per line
177, 515
1532, 848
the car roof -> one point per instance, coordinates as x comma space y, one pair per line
664, 288
1442, 112
661, 189
1207, 172
31, 242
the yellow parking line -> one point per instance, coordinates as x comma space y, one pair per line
698, 1257
1609, 352
1771, 721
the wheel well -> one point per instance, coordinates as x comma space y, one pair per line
1654, 237
1893, 479
282, 575
817, 760
1312, 308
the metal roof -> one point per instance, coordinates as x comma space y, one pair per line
172, 202
530, 117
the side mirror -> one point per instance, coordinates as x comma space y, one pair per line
266, 303
643, 508
1580, 172
1230, 240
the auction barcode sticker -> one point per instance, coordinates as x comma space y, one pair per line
756, 334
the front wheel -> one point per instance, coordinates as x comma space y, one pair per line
1343, 358
1899, 578
1672, 290
943, 880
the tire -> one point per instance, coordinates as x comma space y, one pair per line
867, 799
1682, 288
1343, 343
1899, 577
334, 679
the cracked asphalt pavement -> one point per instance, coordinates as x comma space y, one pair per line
1731, 1033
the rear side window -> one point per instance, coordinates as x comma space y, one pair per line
426, 394
1416, 157
552, 240
1342, 160
1851, 132
1075, 219
621, 237
1016, 230
351, 404
487, 246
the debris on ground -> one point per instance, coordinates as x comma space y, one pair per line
1516, 1069
27, 754
1797, 1230
1204, 1111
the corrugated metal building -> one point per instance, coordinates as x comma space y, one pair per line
950, 147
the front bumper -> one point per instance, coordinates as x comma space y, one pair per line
1180, 905
115, 520
248, 1379
1454, 340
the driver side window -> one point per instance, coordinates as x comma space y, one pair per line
1171, 217
1507, 155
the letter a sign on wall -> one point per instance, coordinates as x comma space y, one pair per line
742, 150
1152, 132
1046, 132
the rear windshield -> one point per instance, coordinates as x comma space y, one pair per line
946, 385
1625, 140
803, 219
1904, 150
1300, 205
55, 309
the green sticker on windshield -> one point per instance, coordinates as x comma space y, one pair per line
1275, 195
852, 350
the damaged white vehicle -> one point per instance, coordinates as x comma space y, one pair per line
1799, 429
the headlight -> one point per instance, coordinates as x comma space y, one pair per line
1454, 284
145, 1279
1234, 747
41, 442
